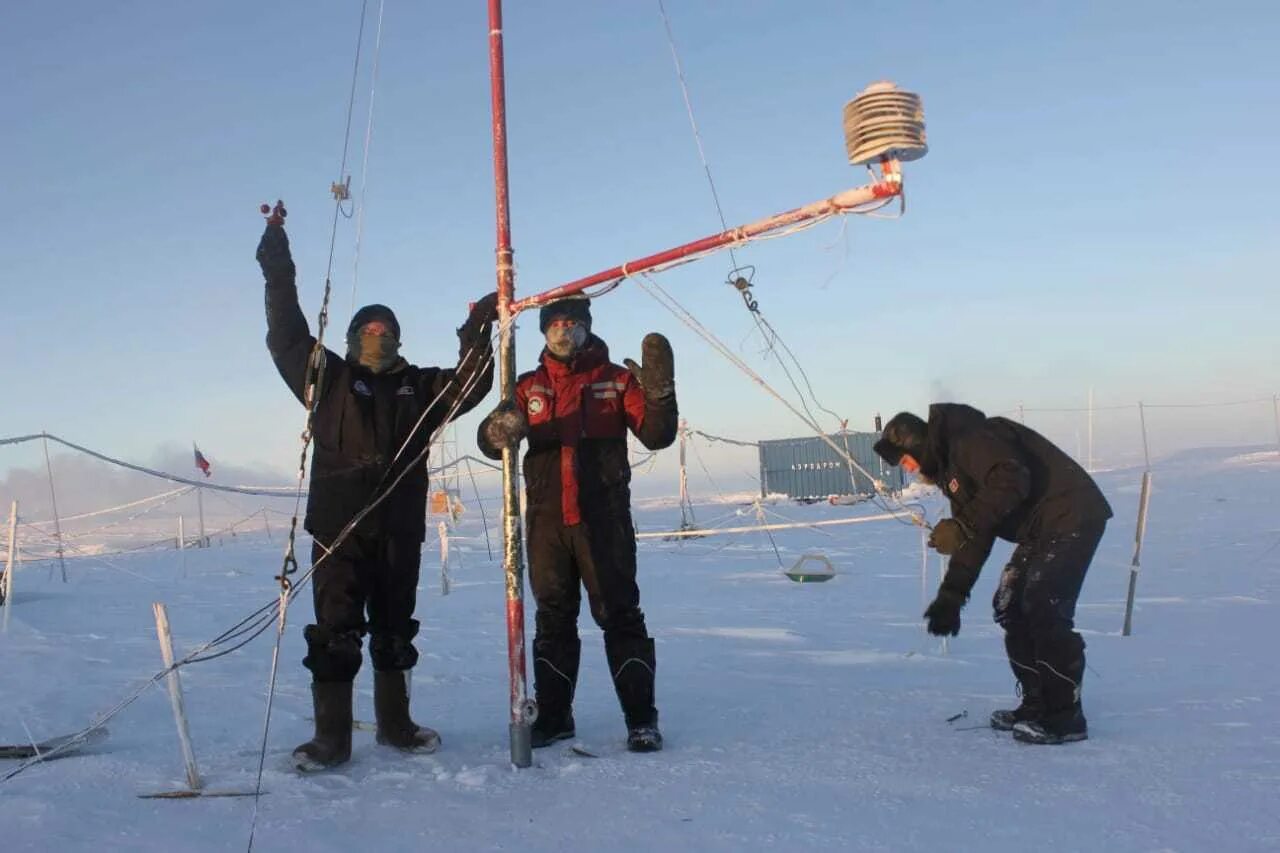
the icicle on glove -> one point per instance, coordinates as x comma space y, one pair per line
273, 253
504, 427
943, 615
657, 372
949, 536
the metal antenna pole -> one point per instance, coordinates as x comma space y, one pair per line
522, 710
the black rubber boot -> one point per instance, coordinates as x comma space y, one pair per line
633, 664
1020, 648
549, 728
1062, 720
555, 677
1062, 727
331, 744
644, 737
391, 709
1031, 707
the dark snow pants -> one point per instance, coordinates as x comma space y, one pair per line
1035, 603
374, 574
599, 554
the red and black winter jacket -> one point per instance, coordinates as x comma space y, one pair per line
579, 413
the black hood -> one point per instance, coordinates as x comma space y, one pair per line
946, 421
368, 314
904, 434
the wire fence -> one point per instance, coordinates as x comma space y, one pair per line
1102, 437
1150, 434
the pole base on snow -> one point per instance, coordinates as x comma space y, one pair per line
522, 744
1128, 604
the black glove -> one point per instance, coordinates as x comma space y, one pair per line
949, 536
944, 613
273, 252
483, 313
657, 375
504, 427
485, 310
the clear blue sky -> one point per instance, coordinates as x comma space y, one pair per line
1098, 207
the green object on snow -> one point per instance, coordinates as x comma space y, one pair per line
802, 574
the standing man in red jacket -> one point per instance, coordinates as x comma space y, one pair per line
575, 410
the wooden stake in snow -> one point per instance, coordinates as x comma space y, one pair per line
1275, 408
174, 683
1146, 448
1143, 502
444, 558
942, 573
53, 499
924, 571
685, 510
1089, 467
10, 564
204, 543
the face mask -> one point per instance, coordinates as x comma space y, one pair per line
564, 341
378, 353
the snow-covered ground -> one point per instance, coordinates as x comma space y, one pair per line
797, 717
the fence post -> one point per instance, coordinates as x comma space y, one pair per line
942, 573
1089, 467
174, 683
444, 558
1275, 408
53, 499
11, 564
1146, 450
684, 474
1143, 502
924, 572
204, 543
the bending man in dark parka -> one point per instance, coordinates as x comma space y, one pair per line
1005, 480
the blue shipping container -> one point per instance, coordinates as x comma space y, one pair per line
808, 469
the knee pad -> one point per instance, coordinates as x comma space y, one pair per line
1004, 604
393, 652
623, 624
332, 655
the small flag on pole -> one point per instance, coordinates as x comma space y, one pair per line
201, 462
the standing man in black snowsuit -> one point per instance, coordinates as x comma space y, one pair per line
374, 417
1005, 480
575, 410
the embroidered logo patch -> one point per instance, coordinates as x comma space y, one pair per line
954, 485
404, 391
535, 405
362, 389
